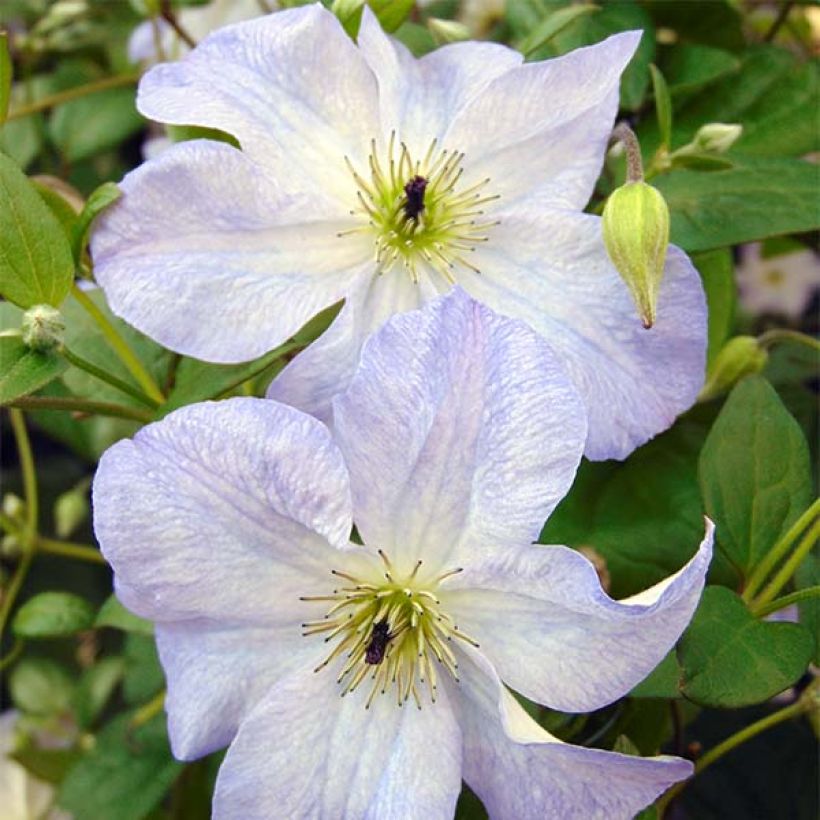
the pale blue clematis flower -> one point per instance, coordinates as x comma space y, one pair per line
370, 176
366, 681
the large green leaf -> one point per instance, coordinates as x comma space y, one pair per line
754, 472
688, 67
124, 776
40, 686
112, 613
36, 266
757, 198
22, 370
731, 659
53, 615
709, 22
717, 272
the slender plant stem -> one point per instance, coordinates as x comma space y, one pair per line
747, 733
68, 549
72, 94
148, 711
788, 569
18, 426
778, 551
97, 408
13, 654
773, 337
167, 14
109, 378
779, 20
788, 600
634, 164
277, 354
120, 346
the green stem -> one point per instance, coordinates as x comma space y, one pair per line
109, 378
788, 569
13, 654
277, 354
72, 94
18, 426
747, 733
788, 600
772, 337
99, 408
67, 549
121, 348
778, 551
148, 711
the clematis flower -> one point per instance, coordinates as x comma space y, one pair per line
370, 176
367, 680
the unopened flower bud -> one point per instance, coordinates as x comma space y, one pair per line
43, 328
716, 137
10, 546
14, 507
71, 509
739, 357
447, 31
636, 235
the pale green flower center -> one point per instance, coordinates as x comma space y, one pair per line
418, 212
391, 633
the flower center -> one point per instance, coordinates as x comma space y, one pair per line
392, 633
418, 212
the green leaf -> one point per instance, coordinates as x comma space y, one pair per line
663, 105
552, 25
22, 370
124, 776
754, 473
95, 688
710, 22
66, 215
86, 126
53, 615
698, 161
35, 259
759, 197
40, 686
808, 575
99, 200
730, 659
688, 66
112, 613
662, 682
6, 71
143, 674
717, 272
391, 13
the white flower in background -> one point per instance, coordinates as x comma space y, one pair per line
370, 176
22, 796
197, 21
366, 681
782, 285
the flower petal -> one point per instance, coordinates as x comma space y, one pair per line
550, 269
217, 673
223, 510
306, 752
326, 367
519, 770
204, 255
460, 431
419, 98
268, 82
550, 124
554, 635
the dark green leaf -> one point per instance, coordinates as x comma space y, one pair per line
99, 200
551, 25
688, 67
717, 272
22, 370
808, 575
124, 776
754, 472
143, 674
5, 75
757, 198
40, 686
53, 615
66, 215
702, 162
112, 613
663, 105
662, 682
49, 765
731, 659
391, 13
35, 259
95, 688
710, 22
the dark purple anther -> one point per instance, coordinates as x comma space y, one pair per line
414, 191
374, 654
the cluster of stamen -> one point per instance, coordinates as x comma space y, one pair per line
391, 633
416, 211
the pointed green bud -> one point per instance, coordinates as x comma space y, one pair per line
42, 328
447, 31
71, 509
716, 137
14, 507
636, 235
739, 357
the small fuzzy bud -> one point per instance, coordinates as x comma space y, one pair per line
70, 510
739, 357
43, 328
14, 506
716, 137
10, 546
447, 31
636, 235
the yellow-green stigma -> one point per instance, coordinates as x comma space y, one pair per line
417, 211
391, 633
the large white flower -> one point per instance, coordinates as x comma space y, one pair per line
370, 176
366, 681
